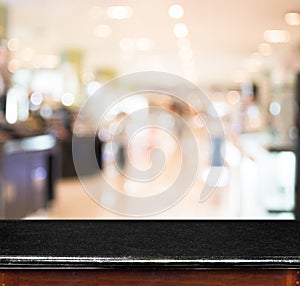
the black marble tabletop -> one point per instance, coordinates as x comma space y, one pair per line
135, 243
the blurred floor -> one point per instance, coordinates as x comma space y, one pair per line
72, 202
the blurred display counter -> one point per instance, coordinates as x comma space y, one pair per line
268, 176
29, 168
81, 150
281, 172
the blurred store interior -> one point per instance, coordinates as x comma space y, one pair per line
54, 55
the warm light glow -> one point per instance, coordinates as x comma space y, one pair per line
276, 36
176, 11
180, 30
67, 99
292, 18
102, 31
119, 12
13, 44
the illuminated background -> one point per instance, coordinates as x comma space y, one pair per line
244, 54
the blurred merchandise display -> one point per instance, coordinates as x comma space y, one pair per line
42, 89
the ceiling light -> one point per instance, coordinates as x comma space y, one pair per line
176, 11
102, 31
119, 12
180, 30
276, 36
292, 18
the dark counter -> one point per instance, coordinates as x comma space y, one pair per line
28, 170
149, 244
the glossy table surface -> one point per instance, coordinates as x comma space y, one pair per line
149, 244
